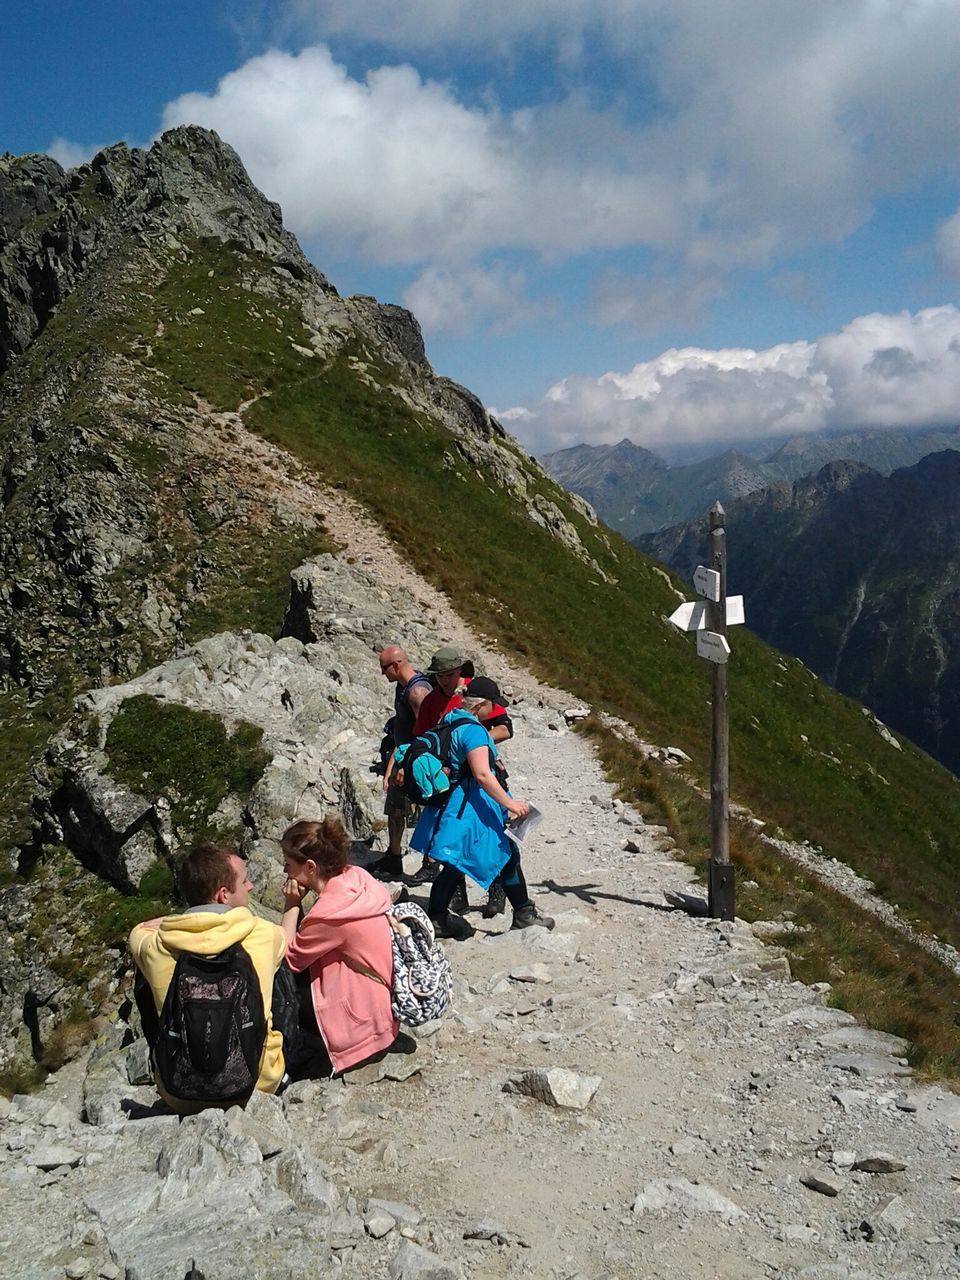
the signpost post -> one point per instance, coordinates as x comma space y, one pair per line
721, 878
709, 618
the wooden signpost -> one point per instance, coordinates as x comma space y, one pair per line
709, 618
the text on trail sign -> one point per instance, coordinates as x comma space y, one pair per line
707, 582
712, 646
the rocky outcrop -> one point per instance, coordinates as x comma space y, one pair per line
127, 499
58, 225
321, 706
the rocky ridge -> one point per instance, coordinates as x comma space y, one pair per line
119, 517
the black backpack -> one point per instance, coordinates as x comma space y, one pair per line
212, 1028
437, 742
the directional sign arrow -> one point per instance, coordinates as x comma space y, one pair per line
692, 614
712, 646
707, 582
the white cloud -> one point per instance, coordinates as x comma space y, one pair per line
774, 122
71, 154
878, 371
458, 301
947, 245
394, 168
768, 125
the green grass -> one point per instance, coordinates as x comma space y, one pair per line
26, 731
162, 749
251, 584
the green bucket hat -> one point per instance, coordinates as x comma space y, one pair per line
445, 659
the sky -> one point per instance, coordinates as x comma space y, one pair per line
686, 222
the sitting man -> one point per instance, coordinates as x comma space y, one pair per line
210, 973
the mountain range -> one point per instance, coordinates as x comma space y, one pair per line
635, 492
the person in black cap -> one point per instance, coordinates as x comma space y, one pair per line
467, 834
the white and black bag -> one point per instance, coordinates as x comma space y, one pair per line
422, 978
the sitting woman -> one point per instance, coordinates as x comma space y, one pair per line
466, 833
343, 943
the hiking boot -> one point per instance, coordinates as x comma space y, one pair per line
496, 902
403, 1044
427, 873
452, 926
459, 903
389, 867
524, 917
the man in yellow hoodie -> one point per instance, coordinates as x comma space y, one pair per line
215, 885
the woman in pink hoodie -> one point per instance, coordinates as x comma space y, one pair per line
343, 940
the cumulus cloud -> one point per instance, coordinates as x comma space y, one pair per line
71, 154
394, 168
898, 370
947, 245
455, 302
765, 125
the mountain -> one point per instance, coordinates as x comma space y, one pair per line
883, 451
613, 478
858, 574
634, 491
223, 486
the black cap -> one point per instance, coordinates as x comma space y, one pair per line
482, 687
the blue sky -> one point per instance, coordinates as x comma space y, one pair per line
684, 221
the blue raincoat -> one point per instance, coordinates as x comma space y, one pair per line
467, 832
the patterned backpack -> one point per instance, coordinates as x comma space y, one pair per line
422, 977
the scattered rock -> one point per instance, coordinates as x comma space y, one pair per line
413, 1262
879, 1162
822, 1181
53, 1157
531, 973
556, 1086
678, 1195
888, 1221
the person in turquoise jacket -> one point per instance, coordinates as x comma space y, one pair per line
467, 833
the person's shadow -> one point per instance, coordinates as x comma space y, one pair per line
592, 894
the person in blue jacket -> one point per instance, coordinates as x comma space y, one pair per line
467, 833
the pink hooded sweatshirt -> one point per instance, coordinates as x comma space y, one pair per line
353, 1011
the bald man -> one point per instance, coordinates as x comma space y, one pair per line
411, 687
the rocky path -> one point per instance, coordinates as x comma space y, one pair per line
722, 1139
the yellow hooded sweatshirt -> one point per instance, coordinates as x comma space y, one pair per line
206, 933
